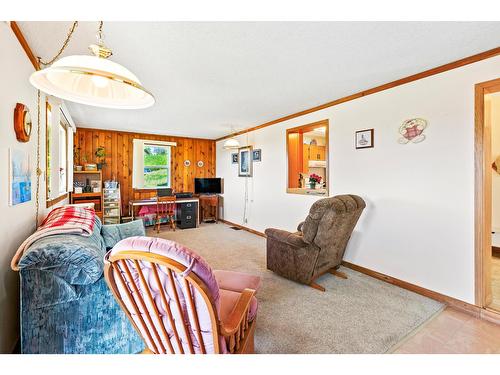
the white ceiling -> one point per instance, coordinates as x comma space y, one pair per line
210, 76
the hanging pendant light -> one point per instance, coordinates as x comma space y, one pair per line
93, 80
231, 144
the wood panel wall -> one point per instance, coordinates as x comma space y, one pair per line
119, 151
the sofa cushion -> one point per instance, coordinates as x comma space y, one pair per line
74, 258
114, 233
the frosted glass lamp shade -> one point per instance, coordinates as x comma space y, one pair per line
93, 81
231, 144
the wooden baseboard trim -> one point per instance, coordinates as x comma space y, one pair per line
477, 312
243, 228
468, 308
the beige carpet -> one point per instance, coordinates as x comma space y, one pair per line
357, 315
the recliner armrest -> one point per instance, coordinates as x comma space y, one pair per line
291, 239
299, 227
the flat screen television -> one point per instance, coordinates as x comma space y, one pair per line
207, 185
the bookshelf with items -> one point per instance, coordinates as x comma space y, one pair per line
87, 188
112, 203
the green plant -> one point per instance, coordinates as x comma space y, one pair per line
76, 155
100, 154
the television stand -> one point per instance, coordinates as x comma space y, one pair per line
209, 207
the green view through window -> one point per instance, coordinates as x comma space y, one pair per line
156, 166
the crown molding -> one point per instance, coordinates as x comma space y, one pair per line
26, 47
427, 73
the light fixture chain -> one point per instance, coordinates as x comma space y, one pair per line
65, 44
99, 33
38, 170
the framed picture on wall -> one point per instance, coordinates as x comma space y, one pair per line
257, 155
364, 138
245, 161
19, 177
234, 158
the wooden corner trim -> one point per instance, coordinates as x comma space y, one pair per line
414, 77
22, 40
128, 132
54, 201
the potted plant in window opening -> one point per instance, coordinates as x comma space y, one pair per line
86, 165
313, 180
76, 157
100, 155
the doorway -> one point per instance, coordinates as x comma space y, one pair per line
487, 194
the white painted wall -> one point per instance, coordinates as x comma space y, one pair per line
492, 114
419, 221
16, 222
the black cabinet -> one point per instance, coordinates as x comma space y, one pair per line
187, 215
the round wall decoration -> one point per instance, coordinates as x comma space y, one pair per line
187, 163
22, 122
200, 163
412, 131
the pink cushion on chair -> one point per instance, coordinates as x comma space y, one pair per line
229, 299
194, 263
224, 299
236, 281
176, 252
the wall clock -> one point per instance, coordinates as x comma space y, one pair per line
22, 122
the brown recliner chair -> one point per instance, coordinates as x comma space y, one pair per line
319, 245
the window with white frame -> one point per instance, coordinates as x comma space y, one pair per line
63, 155
59, 151
152, 164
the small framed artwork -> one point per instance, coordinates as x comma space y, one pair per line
234, 158
245, 161
19, 177
364, 138
257, 155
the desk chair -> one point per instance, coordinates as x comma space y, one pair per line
165, 208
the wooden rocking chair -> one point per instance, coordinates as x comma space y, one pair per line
175, 301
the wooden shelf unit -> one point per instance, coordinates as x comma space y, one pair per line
96, 198
88, 172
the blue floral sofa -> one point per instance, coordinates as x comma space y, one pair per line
66, 306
